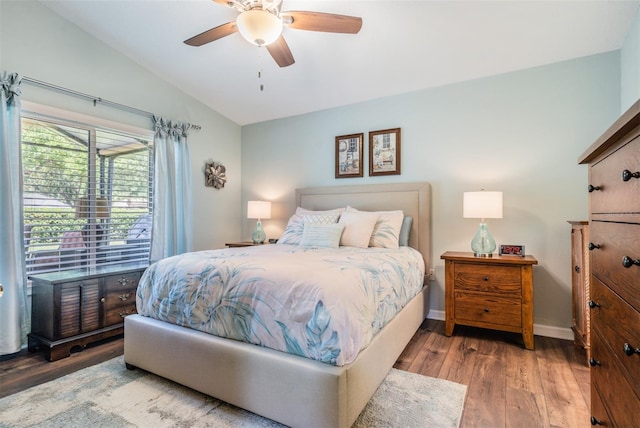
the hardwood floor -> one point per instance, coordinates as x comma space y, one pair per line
508, 386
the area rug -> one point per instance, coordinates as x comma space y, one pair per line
109, 395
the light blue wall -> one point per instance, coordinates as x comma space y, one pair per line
37, 43
520, 132
630, 66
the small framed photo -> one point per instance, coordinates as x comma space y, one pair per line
349, 162
512, 250
384, 152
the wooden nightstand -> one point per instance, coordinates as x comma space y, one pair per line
489, 292
243, 244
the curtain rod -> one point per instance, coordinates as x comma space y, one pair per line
94, 99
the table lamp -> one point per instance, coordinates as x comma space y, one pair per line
82, 211
482, 205
258, 210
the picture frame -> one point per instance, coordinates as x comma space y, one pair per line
384, 152
511, 250
349, 155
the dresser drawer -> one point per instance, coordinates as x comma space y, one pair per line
616, 241
619, 323
116, 315
488, 310
616, 195
127, 281
505, 280
611, 385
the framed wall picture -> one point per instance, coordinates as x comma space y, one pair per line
511, 250
349, 162
384, 152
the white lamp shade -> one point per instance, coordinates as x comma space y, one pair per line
259, 27
258, 209
482, 205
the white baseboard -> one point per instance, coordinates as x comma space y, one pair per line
538, 329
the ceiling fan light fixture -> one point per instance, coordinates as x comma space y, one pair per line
259, 27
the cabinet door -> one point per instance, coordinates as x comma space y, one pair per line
79, 308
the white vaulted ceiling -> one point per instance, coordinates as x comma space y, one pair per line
403, 46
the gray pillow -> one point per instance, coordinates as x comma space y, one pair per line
407, 221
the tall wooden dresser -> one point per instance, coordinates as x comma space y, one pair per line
614, 201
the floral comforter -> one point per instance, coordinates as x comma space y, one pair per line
322, 304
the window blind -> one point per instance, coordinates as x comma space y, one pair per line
88, 195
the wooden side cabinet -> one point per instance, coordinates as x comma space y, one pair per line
489, 292
580, 285
74, 308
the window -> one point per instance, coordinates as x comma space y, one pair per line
87, 195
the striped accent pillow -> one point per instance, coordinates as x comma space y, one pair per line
321, 235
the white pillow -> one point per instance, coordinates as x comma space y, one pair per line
358, 227
386, 232
321, 235
295, 227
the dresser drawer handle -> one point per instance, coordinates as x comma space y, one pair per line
486, 310
593, 304
125, 313
486, 278
630, 350
591, 188
628, 262
124, 297
593, 246
593, 362
577, 269
628, 175
123, 281
595, 421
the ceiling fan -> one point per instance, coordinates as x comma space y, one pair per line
260, 22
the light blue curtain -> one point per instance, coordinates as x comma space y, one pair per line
172, 230
14, 319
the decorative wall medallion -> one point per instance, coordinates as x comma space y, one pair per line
215, 175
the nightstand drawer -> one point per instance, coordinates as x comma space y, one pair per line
485, 310
504, 280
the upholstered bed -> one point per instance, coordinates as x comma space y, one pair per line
287, 388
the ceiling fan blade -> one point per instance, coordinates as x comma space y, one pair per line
223, 2
326, 22
280, 52
213, 34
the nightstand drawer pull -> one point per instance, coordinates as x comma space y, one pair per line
577, 269
630, 350
628, 262
591, 188
123, 281
593, 362
628, 175
486, 278
486, 310
593, 246
124, 297
593, 304
595, 421
125, 313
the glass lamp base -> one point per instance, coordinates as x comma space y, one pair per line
483, 244
258, 236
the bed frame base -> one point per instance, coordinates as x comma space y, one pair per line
286, 388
